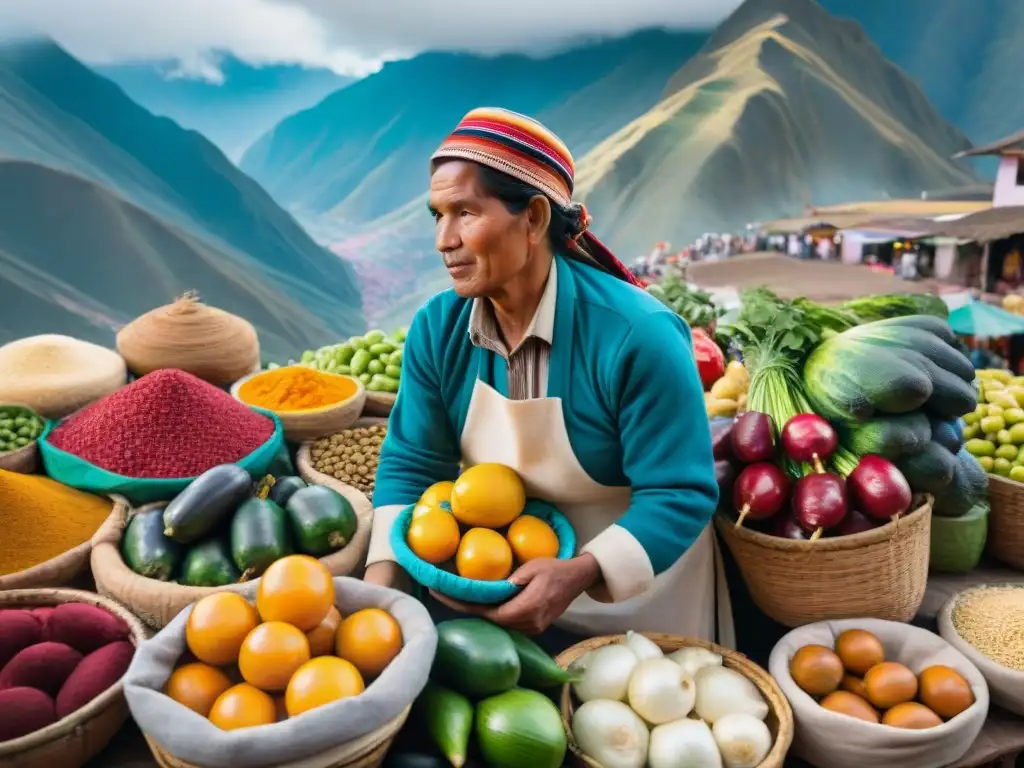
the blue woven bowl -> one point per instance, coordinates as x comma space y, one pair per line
473, 590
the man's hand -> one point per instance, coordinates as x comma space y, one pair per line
387, 574
549, 586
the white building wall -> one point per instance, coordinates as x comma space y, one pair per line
1007, 191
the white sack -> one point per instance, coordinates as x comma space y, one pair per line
194, 739
830, 740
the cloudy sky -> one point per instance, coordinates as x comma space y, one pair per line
349, 36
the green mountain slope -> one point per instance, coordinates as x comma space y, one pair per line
57, 113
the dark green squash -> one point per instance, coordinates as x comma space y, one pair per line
207, 500
284, 487
259, 536
208, 564
147, 550
322, 519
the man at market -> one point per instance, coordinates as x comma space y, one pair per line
548, 358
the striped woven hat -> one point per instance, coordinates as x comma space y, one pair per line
526, 150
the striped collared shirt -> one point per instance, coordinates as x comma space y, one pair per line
528, 362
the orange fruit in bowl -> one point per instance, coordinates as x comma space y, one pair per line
243, 706
321, 681
197, 686
217, 626
271, 654
297, 589
488, 496
370, 639
435, 494
531, 538
321, 637
484, 555
434, 536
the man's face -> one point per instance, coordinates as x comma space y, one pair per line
482, 243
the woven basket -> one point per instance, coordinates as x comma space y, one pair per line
62, 570
379, 403
24, 460
1006, 521
73, 740
300, 426
365, 752
780, 716
881, 573
157, 602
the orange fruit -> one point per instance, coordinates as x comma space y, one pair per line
321, 637
297, 589
370, 639
434, 536
488, 496
243, 706
321, 681
438, 492
217, 626
271, 654
531, 538
197, 686
484, 555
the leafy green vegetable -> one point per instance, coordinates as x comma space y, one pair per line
868, 308
694, 306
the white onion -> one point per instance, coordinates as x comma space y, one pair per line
605, 673
683, 744
744, 740
722, 691
611, 733
692, 659
659, 692
643, 646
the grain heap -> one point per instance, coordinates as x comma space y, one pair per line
992, 620
351, 456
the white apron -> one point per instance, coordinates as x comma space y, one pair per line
530, 437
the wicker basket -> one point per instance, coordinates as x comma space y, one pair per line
780, 716
73, 740
24, 460
881, 573
63, 570
1006, 521
157, 602
365, 752
299, 426
379, 403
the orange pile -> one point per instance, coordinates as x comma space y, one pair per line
288, 654
478, 520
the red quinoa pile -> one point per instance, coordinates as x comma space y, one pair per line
168, 424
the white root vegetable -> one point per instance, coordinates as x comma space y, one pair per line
722, 691
692, 659
611, 733
683, 744
642, 646
659, 692
743, 740
604, 673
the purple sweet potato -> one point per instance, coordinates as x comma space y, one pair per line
97, 672
85, 628
18, 630
43, 614
23, 711
44, 666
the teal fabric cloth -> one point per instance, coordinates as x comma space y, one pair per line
473, 590
622, 365
79, 473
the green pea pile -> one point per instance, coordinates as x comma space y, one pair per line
375, 359
19, 426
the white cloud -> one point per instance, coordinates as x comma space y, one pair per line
349, 36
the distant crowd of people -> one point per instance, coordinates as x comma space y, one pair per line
663, 260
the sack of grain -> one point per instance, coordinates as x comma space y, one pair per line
191, 738
830, 740
56, 375
209, 343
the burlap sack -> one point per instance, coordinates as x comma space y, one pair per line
64, 569
192, 738
830, 740
157, 602
1006, 685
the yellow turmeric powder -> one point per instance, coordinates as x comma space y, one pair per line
296, 388
41, 518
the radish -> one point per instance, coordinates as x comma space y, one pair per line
786, 527
819, 502
878, 489
810, 439
853, 523
760, 491
721, 442
725, 476
753, 437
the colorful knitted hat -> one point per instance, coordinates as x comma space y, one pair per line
524, 149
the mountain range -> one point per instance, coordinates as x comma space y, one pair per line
110, 211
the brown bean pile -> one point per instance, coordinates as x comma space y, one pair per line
351, 456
